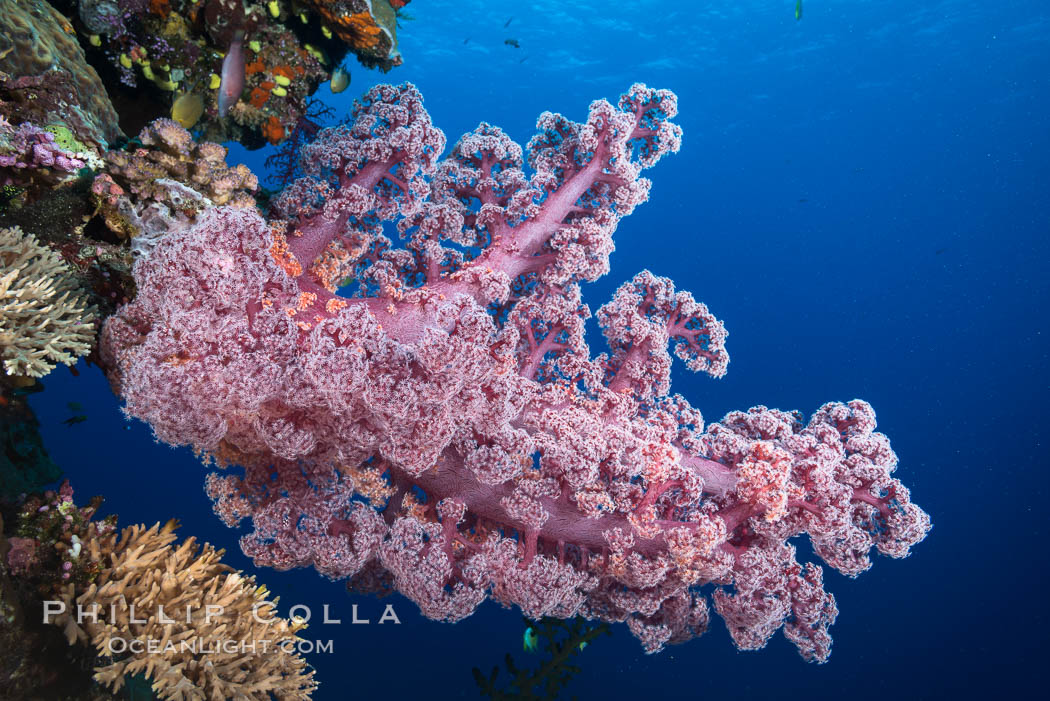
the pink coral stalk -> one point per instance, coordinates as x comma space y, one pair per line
445, 429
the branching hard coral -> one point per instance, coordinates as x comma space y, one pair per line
57, 553
44, 319
204, 657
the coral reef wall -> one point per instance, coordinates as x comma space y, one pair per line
38, 40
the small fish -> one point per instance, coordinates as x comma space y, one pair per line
803, 200
582, 645
508, 23
798, 10
187, 109
232, 83
340, 80
530, 641
75, 407
512, 42
466, 40
939, 251
73, 420
524, 60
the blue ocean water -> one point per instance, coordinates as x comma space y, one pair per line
862, 197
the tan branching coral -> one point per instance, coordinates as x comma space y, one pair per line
205, 630
169, 151
44, 319
167, 181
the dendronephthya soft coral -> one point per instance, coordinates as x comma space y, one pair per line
455, 390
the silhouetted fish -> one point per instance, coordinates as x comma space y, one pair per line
508, 23
512, 42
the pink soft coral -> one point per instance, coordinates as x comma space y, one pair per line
447, 429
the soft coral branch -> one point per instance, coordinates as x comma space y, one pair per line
446, 429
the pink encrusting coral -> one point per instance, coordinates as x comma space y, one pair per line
28, 152
445, 427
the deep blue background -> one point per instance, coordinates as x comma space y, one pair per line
862, 197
